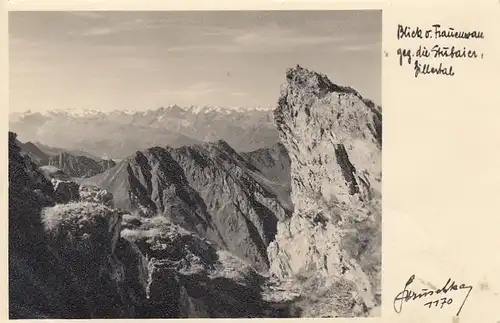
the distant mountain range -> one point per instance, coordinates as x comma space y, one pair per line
118, 134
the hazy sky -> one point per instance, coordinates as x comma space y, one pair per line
144, 60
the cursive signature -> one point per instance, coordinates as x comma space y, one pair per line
407, 295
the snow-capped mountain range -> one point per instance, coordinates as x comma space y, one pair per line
119, 133
78, 113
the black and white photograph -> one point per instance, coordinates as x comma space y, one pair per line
195, 164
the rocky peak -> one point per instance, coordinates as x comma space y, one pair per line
333, 136
324, 124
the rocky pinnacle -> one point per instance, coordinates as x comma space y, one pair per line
334, 138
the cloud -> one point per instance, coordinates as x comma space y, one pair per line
361, 47
28, 68
269, 39
22, 44
99, 31
195, 48
264, 38
109, 27
276, 37
202, 86
239, 94
87, 14
193, 91
114, 49
24, 49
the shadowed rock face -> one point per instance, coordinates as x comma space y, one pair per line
65, 191
188, 276
334, 140
29, 191
79, 166
87, 260
273, 162
208, 189
33, 151
69, 164
34, 290
60, 256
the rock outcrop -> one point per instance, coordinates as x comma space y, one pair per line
79, 166
96, 195
84, 237
65, 191
208, 189
334, 140
190, 277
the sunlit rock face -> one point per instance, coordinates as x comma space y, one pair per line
334, 140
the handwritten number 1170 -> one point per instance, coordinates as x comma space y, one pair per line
444, 301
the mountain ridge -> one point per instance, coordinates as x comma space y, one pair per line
71, 165
209, 189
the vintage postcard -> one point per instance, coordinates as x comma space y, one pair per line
232, 160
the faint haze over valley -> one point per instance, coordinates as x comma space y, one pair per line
144, 60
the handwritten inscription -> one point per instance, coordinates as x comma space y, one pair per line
437, 31
407, 295
433, 59
443, 301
